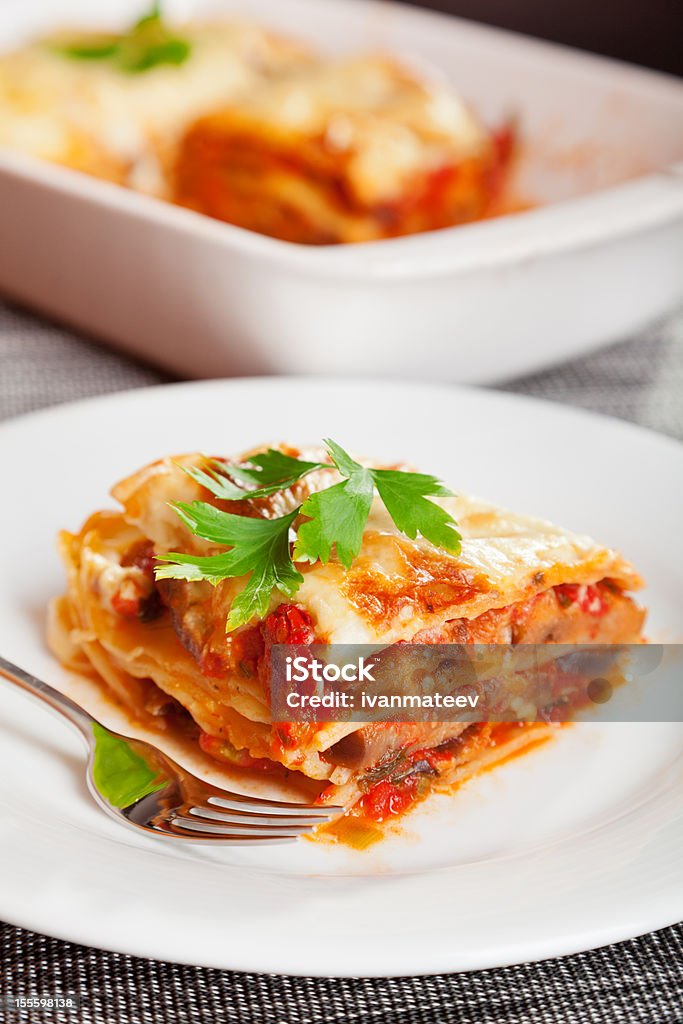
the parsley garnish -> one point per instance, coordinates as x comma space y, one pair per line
337, 515
257, 546
335, 518
99, 48
148, 43
270, 471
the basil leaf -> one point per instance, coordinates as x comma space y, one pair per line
120, 774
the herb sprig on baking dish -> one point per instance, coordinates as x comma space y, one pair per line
333, 518
147, 43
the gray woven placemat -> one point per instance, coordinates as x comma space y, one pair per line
635, 982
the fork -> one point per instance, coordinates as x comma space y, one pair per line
138, 785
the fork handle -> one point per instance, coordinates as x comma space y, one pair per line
53, 698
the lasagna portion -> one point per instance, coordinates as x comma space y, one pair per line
62, 102
343, 151
238, 123
160, 646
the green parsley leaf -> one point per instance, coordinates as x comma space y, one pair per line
98, 48
277, 574
273, 467
271, 471
342, 460
153, 14
145, 45
216, 480
257, 546
140, 54
337, 516
405, 499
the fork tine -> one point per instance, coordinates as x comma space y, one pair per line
187, 835
253, 818
257, 805
238, 829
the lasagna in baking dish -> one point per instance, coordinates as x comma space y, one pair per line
175, 602
343, 151
238, 123
114, 105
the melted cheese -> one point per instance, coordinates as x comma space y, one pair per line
90, 115
386, 125
396, 587
87, 114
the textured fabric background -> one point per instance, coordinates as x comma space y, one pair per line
636, 982
639, 982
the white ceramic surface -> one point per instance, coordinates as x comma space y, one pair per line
575, 845
476, 303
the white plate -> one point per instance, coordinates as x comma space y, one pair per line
476, 303
576, 845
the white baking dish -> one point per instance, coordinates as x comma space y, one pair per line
477, 303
